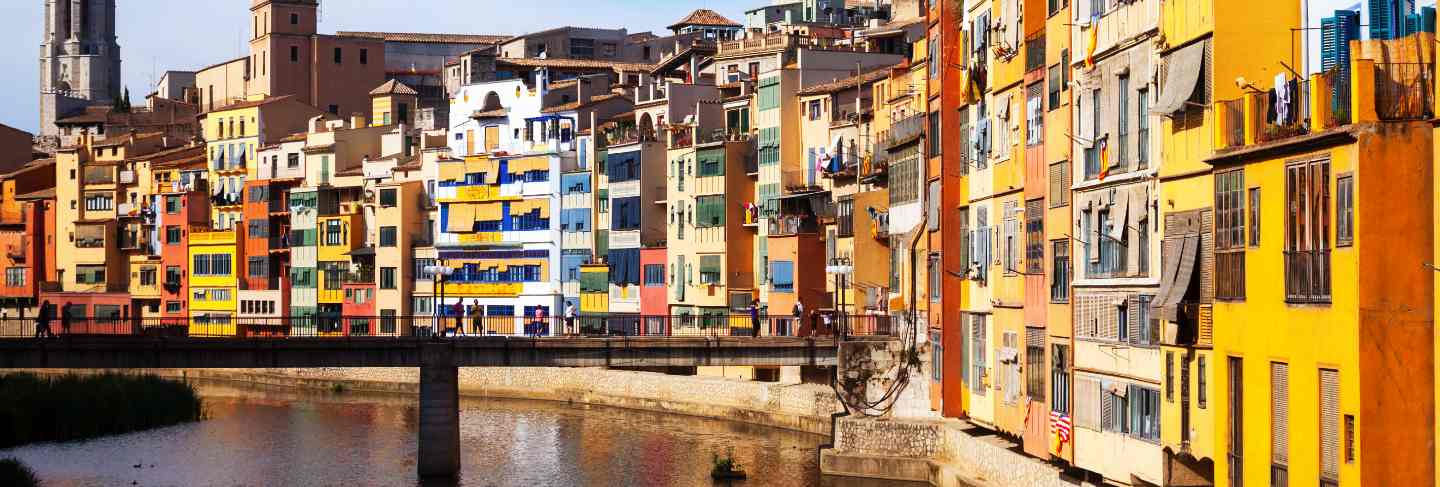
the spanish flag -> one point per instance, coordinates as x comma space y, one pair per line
1094, 40
1104, 157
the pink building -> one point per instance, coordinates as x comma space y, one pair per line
653, 303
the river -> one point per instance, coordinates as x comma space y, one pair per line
266, 436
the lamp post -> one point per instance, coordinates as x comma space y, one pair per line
437, 275
842, 268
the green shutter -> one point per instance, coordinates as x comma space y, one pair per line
602, 242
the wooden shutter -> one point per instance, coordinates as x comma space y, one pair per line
1107, 409
469, 142
1207, 256
1132, 318
1329, 424
1087, 403
1280, 413
965, 241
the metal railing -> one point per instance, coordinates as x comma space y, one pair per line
1307, 276
1233, 113
739, 325
1403, 91
1296, 120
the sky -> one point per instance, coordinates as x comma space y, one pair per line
160, 35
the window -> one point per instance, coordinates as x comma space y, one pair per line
388, 236
710, 269
1035, 364
339, 56
933, 136
710, 211
388, 197
1053, 86
172, 205
174, 306
258, 267
1142, 117
1035, 114
1144, 413
294, 19
90, 274
1114, 407
1200, 394
1059, 184
1060, 378
1307, 236
1344, 210
364, 56
782, 276
294, 54
99, 202
173, 275
1230, 234
15, 277
1279, 424
1092, 154
1060, 271
932, 270
814, 110
1035, 237
1236, 441
978, 384
655, 275
1169, 376
422, 266
1012, 237
1122, 145
172, 235
387, 277
1254, 211
845, 217
937, 357
334, 232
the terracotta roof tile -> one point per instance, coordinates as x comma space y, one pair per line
576, 105
846, 83
571, 63
44, 194
428, 38
705, 17
252, 103
394, 87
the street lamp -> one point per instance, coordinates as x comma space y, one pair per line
842, 268
437, 276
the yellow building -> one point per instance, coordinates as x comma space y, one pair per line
232, 134
213, 283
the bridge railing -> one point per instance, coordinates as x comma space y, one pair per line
335, 326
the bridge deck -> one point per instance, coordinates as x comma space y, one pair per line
97, 352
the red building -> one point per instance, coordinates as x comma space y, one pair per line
654, 304
358, 308
264, 277
26, 224
180, 211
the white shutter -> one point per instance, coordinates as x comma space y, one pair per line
1280, 413
1330, 424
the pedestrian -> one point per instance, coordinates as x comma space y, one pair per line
569, 318
477, 317
42, 322
755, 318
65, 319
540, 327
799, 313
459, 311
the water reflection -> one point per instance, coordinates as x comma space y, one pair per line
265, 436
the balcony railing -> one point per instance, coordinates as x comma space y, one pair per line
1307, 276
99, 175
794, 225
1296, 120
905, 131
1232, 115
1403, 91
127, 177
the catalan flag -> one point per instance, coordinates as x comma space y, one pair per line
1094, 39
1104, 157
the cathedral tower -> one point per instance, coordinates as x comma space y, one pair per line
79, 58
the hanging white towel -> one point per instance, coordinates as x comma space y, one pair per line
1282, 99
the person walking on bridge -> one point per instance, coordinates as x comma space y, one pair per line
42, 321
754, 318
65, 318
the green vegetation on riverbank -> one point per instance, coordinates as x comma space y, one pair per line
16, 474
76, 407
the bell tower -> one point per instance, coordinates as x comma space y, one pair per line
79, 58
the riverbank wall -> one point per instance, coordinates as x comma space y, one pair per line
797, 407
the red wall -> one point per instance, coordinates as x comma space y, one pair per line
653, 301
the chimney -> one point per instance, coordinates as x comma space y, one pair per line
583, 90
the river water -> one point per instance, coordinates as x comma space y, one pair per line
264, 436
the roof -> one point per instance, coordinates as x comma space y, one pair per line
428, 38
847, 83
354, 171
44, 194
92, 114
571, 63
576, 105
170, 153
194, 160
252, 103
498, 112
705, 16
37, 164
394, 87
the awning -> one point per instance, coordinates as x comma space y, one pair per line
452, 171
362, 252
1182, 74
1169, 304
490, 212
461, 218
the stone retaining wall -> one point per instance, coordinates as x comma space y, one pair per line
799, 407
941, 452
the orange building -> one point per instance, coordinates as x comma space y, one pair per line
25, 227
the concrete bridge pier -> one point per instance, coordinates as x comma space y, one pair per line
439, 452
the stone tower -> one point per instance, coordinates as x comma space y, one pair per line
79, 59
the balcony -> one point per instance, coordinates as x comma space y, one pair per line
127, 177
1307, 276
1403, 91
360, 276
225, 199
99, 175
784, 225
905, 131
880, 225
18, 252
